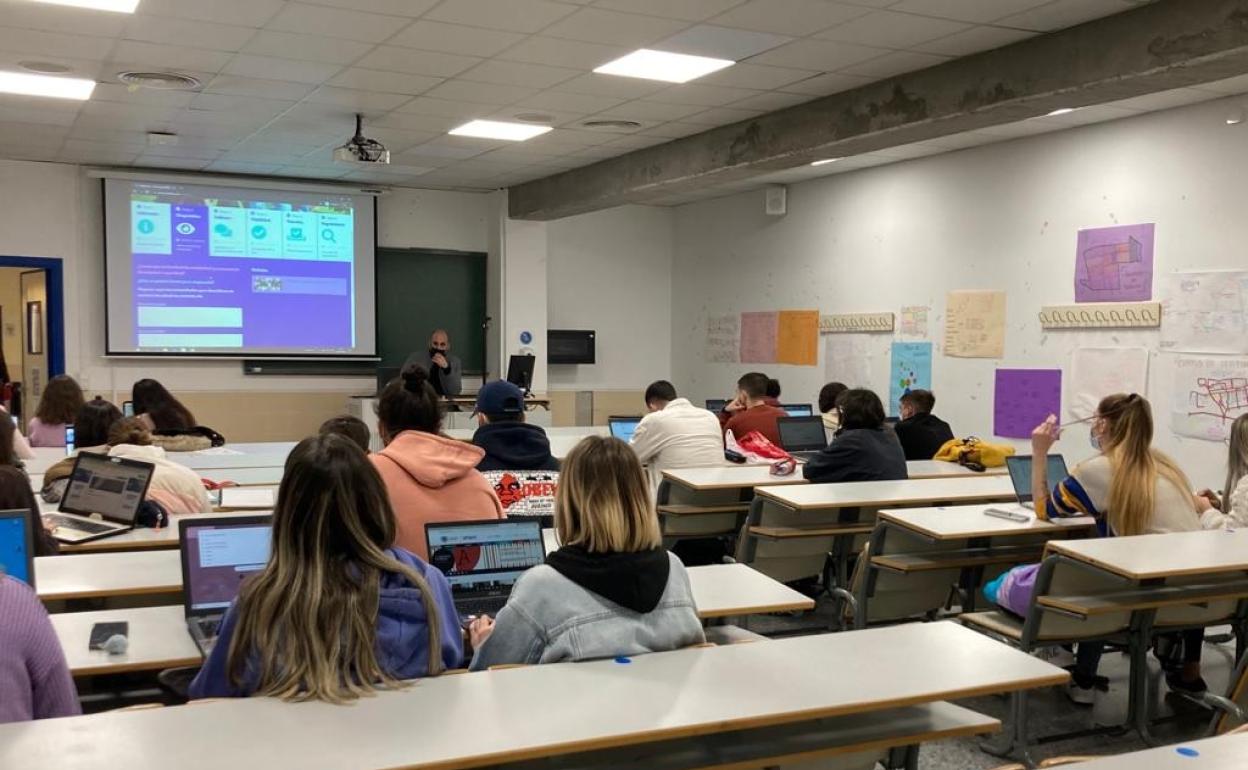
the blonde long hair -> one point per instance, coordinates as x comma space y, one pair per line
309, 618
1136, 466
603, 502
1236, 459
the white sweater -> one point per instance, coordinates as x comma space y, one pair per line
678, 436
1236, 517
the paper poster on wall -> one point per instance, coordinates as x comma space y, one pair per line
847, 359
910, 369
1209, 393
1114, 264
1205, 312
975, 324
797, 341
723, 338
1024, 398
1098, 372
758, 337
914, 321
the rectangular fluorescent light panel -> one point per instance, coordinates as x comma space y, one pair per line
497, 129
26, 84
119, 6
662, 65
824, 162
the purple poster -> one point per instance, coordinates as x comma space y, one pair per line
1115, 264
1023, 398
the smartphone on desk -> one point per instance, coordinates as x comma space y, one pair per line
102, 632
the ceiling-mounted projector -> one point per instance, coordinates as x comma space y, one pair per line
361, 149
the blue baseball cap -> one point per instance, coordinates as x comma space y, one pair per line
499, 397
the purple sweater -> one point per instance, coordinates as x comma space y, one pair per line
34, 678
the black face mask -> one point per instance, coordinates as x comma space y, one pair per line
434, 351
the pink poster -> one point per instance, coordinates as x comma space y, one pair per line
758, 337
1115, 264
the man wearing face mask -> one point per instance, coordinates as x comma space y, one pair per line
445, 370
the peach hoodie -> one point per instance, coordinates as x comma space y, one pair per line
433, 478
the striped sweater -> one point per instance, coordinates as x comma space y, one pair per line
1085, 492
34, 678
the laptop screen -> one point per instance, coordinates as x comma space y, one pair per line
482, 555
623, 427
716, 404
16, 546
798, 410
802, 434
218, 554
1019, 467
110, 486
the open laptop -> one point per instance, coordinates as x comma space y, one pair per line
623, 427
802, 437
716, 405
482, 560
798, 410
17, 546
217, 555
1019, 467
110, 488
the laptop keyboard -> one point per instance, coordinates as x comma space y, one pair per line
486, 605
81, 525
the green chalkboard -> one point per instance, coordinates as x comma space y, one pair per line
419, 290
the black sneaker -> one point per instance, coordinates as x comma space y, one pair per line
1176, 682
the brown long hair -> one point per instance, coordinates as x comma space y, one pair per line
1136, 466
60, 402
165, 411
603, 501
1236, 459
309, 617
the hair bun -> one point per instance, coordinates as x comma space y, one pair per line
414, 378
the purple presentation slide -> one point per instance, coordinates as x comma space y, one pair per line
230, 274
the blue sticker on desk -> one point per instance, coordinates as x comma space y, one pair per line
1184, 751
526, 338
623, 661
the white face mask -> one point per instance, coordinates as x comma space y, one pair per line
1094, 439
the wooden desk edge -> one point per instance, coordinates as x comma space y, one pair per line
109, 592
112, 545
793, 606
1060, 547
978, 497
890, 516
124, 668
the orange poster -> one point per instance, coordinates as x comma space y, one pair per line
798, 338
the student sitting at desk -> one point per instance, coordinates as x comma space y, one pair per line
350, 427
60, 402
176, 487
429, 477
1131, 489
828, 396
920, 432
509, 443
172, 424
339, 610
750, 410
611, 589
675, 434
862, 449
91, 427
34, 678
15, 494
1231, 509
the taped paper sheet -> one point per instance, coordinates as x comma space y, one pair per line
975, 324
1205, 312
1024, 398
798, 338
1114, 264
1209, 393
723, 338
758, 337
911, 369
914, 321
1098, 372
847, 359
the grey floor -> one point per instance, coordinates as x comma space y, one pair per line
1050, 712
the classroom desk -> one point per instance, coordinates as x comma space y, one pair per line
267, 454
938, 469
158, 640
146, 538
961, 522
1154, 557
566, 431
1226, 752
536, 712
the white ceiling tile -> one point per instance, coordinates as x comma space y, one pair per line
205, 151
159, 29
458, 147
133, 54
397, 139
721, 42
771, 101
32, 133
116, 92
245, 13
268, 67
512, 15
519, 74
977, 11
480, 93
389, 82
1164, 100
689, 10
571, 102
1097, 113
632, 30
1066, 13
788, 17
131, 138
335, 22
82, 68
237, 167
823, 85
594, 84
695, 93
243, 105
373, 101
721, 116
895, 63
410, 8
407, 121
442, 108
234, 85
755, 76
563, 53
62, 19
399, 59
887, 29
822, 55
974, 40
288, 45
52, 45
455, 39
642, 109
182, 164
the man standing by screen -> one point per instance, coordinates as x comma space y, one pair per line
446, 371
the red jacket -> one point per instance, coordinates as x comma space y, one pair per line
761, 418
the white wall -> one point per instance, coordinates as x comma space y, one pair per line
1003, 217
54, 210
610, 271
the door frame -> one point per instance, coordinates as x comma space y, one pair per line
54, 312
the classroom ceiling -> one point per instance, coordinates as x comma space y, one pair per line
281, 80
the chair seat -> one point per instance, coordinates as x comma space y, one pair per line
995, 622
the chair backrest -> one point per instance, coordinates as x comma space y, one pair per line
1059, 576
1207, 614
1237, 693
893, 595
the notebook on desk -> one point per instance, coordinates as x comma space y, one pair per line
17, 546
248, 498
217, 555
482, 560
102, 498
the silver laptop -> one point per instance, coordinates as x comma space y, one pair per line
482, 560
1019, 467
623, 427
802, 437
217, 555
101, 499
